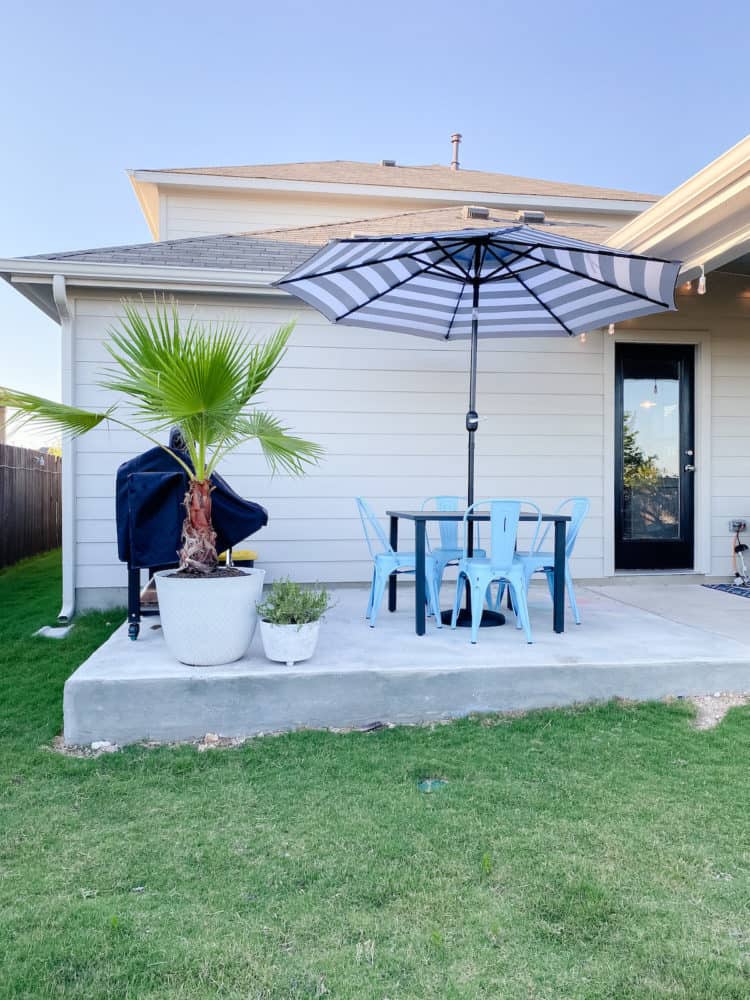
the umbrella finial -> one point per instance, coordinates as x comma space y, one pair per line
456, 140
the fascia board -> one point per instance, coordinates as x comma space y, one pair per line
723, 179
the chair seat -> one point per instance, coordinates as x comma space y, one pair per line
538, 558
405, 559
482, 562
454, 554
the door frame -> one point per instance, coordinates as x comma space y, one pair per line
700, 339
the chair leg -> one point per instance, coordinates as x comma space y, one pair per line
433, 592
372, 594
477, 608
461, 582
522, 609
379, 585
572, 596
550, 574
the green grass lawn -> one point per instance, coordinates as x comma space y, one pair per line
603, 852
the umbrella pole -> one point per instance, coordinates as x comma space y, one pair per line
472, 418
489, 618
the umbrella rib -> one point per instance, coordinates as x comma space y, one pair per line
385, 291
346, 267
586, 277
455, 309
544, 306
590, 248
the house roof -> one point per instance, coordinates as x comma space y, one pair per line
281, 250
436, 220
433, 176
229, 252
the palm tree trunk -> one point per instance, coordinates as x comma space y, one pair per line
198, 553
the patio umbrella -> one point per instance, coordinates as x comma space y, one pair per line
514, 281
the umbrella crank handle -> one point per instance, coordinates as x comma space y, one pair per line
472, 421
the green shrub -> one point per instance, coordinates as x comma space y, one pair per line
289, 603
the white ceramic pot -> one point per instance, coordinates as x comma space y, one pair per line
289, 643
211, 621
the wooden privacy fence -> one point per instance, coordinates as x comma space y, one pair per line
30, 514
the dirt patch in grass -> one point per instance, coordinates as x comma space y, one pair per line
711, 708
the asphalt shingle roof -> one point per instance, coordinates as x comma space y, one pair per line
433, 176
279, 251
241, 253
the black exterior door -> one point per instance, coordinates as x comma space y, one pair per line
654, 456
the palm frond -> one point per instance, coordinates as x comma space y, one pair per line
202, 378
48, 414
281, 449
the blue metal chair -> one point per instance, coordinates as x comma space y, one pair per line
387, 561
537, 560
502, 566
449, 552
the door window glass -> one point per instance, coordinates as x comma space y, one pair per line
651, 458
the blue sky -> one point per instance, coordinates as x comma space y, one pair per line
636, 95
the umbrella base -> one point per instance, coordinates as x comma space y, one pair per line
490, 619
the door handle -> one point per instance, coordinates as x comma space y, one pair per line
689, 468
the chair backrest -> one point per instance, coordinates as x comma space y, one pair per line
504, 517
579, 508
448, 529
372, 528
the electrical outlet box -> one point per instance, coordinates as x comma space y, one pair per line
737, 525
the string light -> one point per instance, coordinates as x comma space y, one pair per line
583, 338
611, 329
702, 282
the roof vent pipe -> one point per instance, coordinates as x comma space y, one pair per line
456, 140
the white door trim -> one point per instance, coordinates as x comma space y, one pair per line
701, 340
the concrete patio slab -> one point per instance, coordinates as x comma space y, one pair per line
641, 642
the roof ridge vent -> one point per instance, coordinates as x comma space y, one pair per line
476, 212
529, 215
387, 163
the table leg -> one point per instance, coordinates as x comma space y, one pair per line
392, 578
558, 616
419, 591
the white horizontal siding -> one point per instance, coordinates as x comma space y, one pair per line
197, 212
730, 426
389, 410
201, 211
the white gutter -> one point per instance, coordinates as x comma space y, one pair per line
75, 271
703, 222
67, 610
605, 206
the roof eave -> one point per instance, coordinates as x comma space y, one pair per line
705, 222
33, 279
606, 206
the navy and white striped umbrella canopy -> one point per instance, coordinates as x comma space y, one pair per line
525, 282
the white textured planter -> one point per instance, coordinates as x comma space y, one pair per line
289, 643
207, 622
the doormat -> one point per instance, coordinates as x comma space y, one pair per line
728, 588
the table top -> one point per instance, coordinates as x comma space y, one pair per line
458, 515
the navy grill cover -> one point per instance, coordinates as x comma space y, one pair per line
150, 496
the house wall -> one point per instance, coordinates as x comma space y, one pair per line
389, 410
185, 212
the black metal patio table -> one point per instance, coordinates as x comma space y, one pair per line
420, 519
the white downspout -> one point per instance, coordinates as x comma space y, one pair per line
60, 295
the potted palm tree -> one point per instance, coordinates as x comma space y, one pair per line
203, 379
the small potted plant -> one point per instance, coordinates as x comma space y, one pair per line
290, 620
